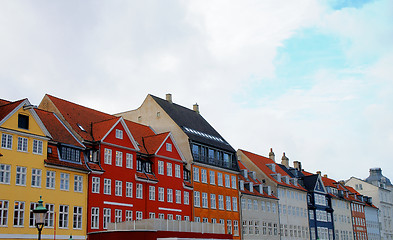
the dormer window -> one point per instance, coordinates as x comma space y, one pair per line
23, 121
92, 156
251, 187
241, 185
70, 154
119, 134
271, 166
139, 165
260, 188
244, 173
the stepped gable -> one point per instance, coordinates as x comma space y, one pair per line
199, 129
8, 107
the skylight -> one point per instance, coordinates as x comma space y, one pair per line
80, 127
203, 134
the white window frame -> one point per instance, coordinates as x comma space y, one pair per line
234, 204
37, 146
152, 193
195, 174
118, 188
128, 215
212, 177
177, 171
20, 178
63, 216
234, 185
22, 144
168, 147
213, 202
169, 169
6, 141
77, 217
228, 203
78, 183
119, 134
36, 177
219, 179
186, 198
129, 189
227, 181
129, 160
197, 201
19, 213
106, 218
5, 173
95, 218
161, 167
95, 185
178, 196
119, 158
169, 195
161, 194
4, 204
118, 215
64, 181
204, 200
139, 191
108, 156
107, 186
50, 215
139, 215
221, 202
50, 179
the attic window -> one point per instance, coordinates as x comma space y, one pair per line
169, 147
158, 114
80, 127
119, 134
23, 121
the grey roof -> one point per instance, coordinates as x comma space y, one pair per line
376, 176
194, 125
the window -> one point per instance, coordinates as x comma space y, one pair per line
243, 204
161, 194
19, 212
119, 159
234, 182
234, 204
22, 144
36, 177
152, 193
196, 174
106, 218
33, 205
169, 147
118, 188
3, 213
64, 181
108, 156
170, 216
128, 215
169, 195
129, 160
139, 190
186, 198
129, 189
71, 154
227, 181
205, 220
161, 216
161, 167
219, 179
37, 147
249, 204
118, 214
152, 215
169, 169
95, 185
178, 217
77, 223
236, 227
197, 219
213, 201
23, 121
50, 215
178, 196
5, 172
221, 202
197, 201
177, 171
119, 134
139, 215
107, 186
263, 207
255, 202
229, 226
6, 141
204, 200
203, 175
212, 178
78, 183
20, 179
95, 215
228, 203
50, 179
63, 216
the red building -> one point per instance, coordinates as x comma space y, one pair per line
358, 214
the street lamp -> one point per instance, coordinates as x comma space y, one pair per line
39, 215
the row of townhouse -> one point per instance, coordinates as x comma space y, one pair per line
161, 161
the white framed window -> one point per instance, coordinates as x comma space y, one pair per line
169, 147
196, 174
129, 189
35, 177
243, 204
118, 215
197, 219
119, 134
6, 141
107, 186
33, 205
108, 156
119, 159
77, 218
152, 193
95, 185
63, 216
186, 197
161, 167
118, 188
177, 170
64, 181
50, 179
204, 200
234, 204
219, 179
161, 194
187, 218
213, 201
161, 216
128, 215
50, 215
5, 173
227, 181
170, 216
37, 147
78, 183
205, 220
178, 196
169, 169
139, 215
4, 213
212, 177
197, 200
20, 178
234, 186
95, 217
152, 215
236, 228
229, 226
221, 202
129, 160
22, 144
19, 212
106, 218
139, 191
203, 175
169, 195
228, 203
178, 217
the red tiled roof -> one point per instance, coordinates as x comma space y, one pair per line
141, 175
152, 143
4, 102
261, 161
7, 108
329, 182
57, 130
100, 129
53, 159
139, 131
151, 177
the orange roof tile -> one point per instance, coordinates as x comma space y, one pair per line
100, 129
4, 102
139, 131
152, 143
53, 159
7, 108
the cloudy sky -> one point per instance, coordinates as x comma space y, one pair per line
313, 79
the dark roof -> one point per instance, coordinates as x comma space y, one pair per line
194, 125
309, 182
376, 176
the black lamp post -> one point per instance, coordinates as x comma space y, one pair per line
39, 215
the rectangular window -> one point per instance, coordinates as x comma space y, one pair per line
6, 141
23, 121
169, 147
213, 201
234, 182
219, 179
139, 190
106, 218
37, 147
33, 205
50, 215
212, 177
234, 204
169, 169
64, 181
5, 173
36, 177
20, 179
128, 215
19, 212
161, 167
129, 189
236, 228
221, 202
178, 217
95, 218
3, 213
227, 181
119, 134
161, 216
178, 196
229, 226
63, 216
197, 200
107, 186
177, 171
170, 216
152, 215
204, 200
228, 203
129, 160
139, 215
169, 195
95, 185
22, 144
119, 159
161, 194
186, 198
118, 214
50, 179
152, 193
203, 176
118, 188
78, 183
77, 223
196, 174
108, 156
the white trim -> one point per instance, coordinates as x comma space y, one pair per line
34, 236
170, 209
118, 204
121, 120
169, 158
118, 146
72, 134
25, 134
174, 143
66, 168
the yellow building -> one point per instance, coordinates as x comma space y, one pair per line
29, 169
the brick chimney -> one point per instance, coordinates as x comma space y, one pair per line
195, 107
169, 97
297, 165
271, 155
285, 160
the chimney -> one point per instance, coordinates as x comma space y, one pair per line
319, 173
297, 165
325, 175
271, 155
195, 107
285, 160
169, 97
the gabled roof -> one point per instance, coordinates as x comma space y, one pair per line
4, 102
194, 125
7, 108
310, 182
139, 131
54, 160
100, 129
154, 142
